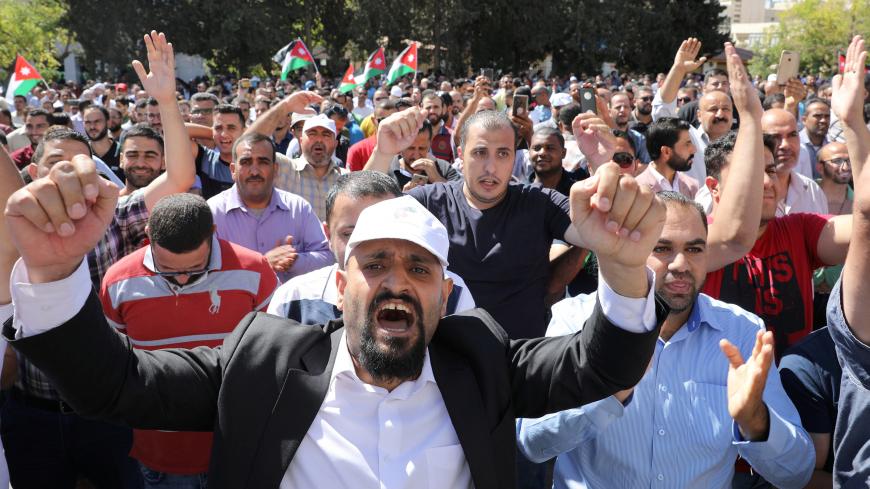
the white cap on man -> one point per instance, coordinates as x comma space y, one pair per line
319, 120
401, 218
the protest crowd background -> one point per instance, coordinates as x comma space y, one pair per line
464, 275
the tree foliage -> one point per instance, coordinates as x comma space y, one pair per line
457, 36
816, 29
31, 28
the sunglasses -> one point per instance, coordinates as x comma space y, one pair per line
646, 99
684, 100
623, 159
193, 275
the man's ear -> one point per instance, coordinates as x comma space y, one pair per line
666, 152
713, 185
446, 289
340, 283
325, 229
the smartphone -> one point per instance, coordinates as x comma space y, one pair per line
245, 83
520, 105
789, 64
419, 179
489, 73
587, 100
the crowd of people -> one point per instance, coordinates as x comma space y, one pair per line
601, 281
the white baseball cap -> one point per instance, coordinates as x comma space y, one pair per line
396, 91
401, 218
299, 117
320, 120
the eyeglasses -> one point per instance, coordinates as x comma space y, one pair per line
838, 162
684, 100
193, 275
623, 159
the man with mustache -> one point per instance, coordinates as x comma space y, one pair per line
814, 135
670, 146
797, 191
253, 213
393, 394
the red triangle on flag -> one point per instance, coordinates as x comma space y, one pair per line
410, 57
300, 51
348, 75
378, 60
24, 70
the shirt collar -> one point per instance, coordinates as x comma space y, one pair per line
299, 164
661, 178
701, 314
343, 368
214, 263
234, 200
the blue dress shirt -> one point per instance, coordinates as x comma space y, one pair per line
675, 430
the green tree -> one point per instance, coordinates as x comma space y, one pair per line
816, 29
31, 28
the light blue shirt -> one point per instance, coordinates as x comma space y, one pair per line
675, 431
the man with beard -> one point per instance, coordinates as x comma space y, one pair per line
814, 135
836, 169
116, 123
798, 192
255, 214
36, 123
394, 392
641, 116
620, 113
695, 399
96, 119
442, 139
670, 146
152, 114
416, 159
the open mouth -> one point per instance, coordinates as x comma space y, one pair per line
488, 184
395, 318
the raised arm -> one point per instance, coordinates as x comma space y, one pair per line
482, 87
847, 102
298, 102
160, 83
732, 236
395, 133
684, 63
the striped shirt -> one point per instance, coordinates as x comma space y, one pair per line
675, 430
300, 178
157, 314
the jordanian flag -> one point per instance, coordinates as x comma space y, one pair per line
292, 57
23, 78
348, 83
406, 63
376, 65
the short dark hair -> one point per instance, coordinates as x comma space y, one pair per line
619, 133
714, 72
141, 103
39, 112
180, 223
568, 113
427, 126
58, 133
771, 99
231, 109
102, 110
253, 138
142, 130
489, 120
203, 96
547, 131
817, 101
769, 141
84, 104
59, 119
664, 132
717, 153
386, 105
151, 101
677, 198
364, 183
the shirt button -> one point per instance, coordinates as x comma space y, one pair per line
660, 477
662, 432
664, 388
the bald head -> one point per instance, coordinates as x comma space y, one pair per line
773, 117
831, 163
831, 149
714, 112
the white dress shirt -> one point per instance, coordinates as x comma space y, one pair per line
804, 195
363, 436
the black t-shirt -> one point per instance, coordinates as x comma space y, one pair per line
567, 179
446, 171
811, 374
112, 159
502, 253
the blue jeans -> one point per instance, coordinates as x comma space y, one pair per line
161, 480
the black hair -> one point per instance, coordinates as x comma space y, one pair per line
252, 138
365, 183
39, 112
772, 99
547, 131
489, 120
142, 130
102, 110
180, 223
201, 96
619, 133
231, 109
677, 198
717, 153
427, 126
58, 133
568, 113
664, 132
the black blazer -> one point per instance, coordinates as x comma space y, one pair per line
261, 390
